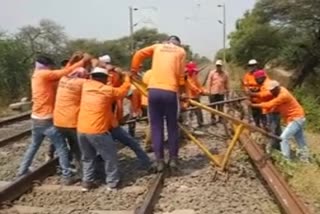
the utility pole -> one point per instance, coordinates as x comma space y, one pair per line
131, 29
224, 22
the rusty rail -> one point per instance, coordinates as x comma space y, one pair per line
8, 120
288, 200
152, 195
24, 183
15, 137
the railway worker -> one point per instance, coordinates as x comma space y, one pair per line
218, 87
292, 113
117, 132
43, 94
94, 126
273, 118
66, 109
250, 85
144, 102
166, 82
194, 90
134, 96
105, 59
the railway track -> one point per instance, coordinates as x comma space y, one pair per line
196, 188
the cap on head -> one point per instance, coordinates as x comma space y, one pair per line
252, 62
219, 62
272, 85
106, 59
259, 73
45, 60
174, 39
98, 70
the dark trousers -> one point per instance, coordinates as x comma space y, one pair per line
260, 119
275, 128
164, 104
198, 113
216, 98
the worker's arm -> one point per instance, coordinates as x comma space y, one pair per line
272, 103
119, 92
263, 94
139, 56
57, 74
181, 75
193, 86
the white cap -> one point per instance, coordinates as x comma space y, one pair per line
98, 70
105, 59
272, 85
252, 62
219, 62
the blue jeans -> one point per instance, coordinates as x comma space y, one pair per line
274, 124
40, 130
293, 129
126, 139
93, 144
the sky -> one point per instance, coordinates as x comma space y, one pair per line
194, 21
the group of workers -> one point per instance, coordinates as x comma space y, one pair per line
80, 109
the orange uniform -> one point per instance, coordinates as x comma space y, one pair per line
193, 87
145, 79
249, 84
43, 90
67, 104
167, 76
286, 105
264, 95
96, 115
135, 100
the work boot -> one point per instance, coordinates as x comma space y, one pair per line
87, 186
158, 166
173, 164
70, 180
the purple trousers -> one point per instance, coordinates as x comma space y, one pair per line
164, 105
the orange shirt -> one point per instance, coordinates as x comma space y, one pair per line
43, 84
264, 95
114, 79
168, 64
249, 84
218, 82
146, 78
135, 101
193, 87
96, 115
286, 105
67, 104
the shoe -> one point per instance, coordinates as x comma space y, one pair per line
87, 186
70, 180
173, 164
158, 166
148, 148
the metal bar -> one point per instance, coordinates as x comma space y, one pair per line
10, 139
23, 184
236, 121
288, 200
152, 195
211, 157
234, 141
239, 99
11, 119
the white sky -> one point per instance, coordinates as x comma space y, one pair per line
195, 21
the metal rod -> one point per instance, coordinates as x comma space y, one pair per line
220, 102
131, 29
236, 121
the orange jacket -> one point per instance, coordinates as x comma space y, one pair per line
96, 115
67, 104
43, 85
135, 101
264, 95
145, 79
286, 105
168, 64
193, 87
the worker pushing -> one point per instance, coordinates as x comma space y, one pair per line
168, 64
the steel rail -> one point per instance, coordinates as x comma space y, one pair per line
8, 120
